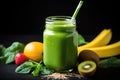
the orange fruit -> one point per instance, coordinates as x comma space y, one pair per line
34, 50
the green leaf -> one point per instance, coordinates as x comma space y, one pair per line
10, 52
81, 40
45, 70
10, 59
2, 49
24, 68
36, 70
35, 67
15, 46
112, 62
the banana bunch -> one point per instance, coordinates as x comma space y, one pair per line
100, 45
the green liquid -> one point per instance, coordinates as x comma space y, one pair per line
60, 45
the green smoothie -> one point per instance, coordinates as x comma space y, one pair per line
60, 43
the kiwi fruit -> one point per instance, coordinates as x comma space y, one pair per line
88, 55
87, 68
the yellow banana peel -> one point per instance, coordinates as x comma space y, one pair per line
107, 51
102, 39
100, 45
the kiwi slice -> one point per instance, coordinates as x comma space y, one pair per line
87, 68
88, 55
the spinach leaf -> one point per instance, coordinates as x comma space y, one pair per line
45, 70
36, 70
34, 67
81, 40
112, 62
24, 68
15, 46
2, 49
41, 69
9, 58
8, 54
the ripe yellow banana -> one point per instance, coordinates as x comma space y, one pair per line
108, 50
102, 39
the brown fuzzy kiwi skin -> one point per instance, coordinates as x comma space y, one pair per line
88, 55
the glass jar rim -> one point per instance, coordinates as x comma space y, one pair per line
60, 23
59, 17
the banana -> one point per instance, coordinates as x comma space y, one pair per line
108, 50
102, 39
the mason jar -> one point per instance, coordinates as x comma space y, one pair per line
60, 43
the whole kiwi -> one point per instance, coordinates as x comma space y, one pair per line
88, 55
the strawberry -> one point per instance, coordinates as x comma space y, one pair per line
20, 58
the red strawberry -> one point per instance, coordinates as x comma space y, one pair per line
20, 58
